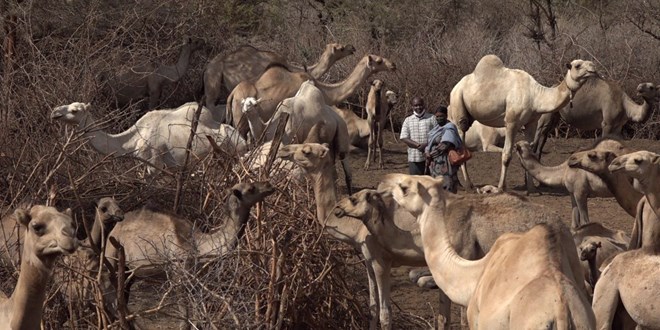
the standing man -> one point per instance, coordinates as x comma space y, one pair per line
443, 138
414, 133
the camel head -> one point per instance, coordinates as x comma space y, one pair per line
523, 149
247, 194
49, 233
649, 92
108, 212
310, 156
195, 43
377, 63
488, 189
73, 113
377, 84
339, 51
360, 205
413, 192
578, 72
595, 161
641, 165
588, 249
391, 97
249, 103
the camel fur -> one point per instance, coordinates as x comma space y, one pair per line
150, 79
600, 104
525, 281
580, 184
502, 97
480, 137
247, 63
318, 164
278, 83
48, 234
160, 137
644, 167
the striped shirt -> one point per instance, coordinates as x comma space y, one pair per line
417, 129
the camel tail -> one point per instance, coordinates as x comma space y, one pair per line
229, 117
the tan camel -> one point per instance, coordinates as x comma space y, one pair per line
247, 63
600, 104
172, 238
580, 184
378, 108
524, 281
646, 227
480, 137
278, 83
150, 78
501, 97
591, 236
48, 234
306, 109
317, 162
588, 252
159, 137
644, 167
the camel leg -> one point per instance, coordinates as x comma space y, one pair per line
373, 297
381, 269
575, 213
466, 177
379, 147
530, 135
581, 201
348, 176
506, 154
545, 124
606, 299
370, 151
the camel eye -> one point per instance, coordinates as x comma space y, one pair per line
104, 209
592, 156
638, 161
38, 228
404, 190
352, 200
577, 66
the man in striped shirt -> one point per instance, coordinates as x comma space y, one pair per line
414, 133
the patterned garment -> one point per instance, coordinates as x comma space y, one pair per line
417, 129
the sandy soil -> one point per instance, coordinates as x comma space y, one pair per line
484, 168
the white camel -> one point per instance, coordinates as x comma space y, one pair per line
502, 97
247, 63
523, 282
644, 167
160, 137
48, 234
480, 137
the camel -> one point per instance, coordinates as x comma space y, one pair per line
159, 137
378, 110
318, 164
278, 83
172, 238
150, 79
591, 236
502, 97
600, 104
358, 128
589, 252
306, 109
644, 167
647, 224
247, 63
48, 234
580, 184
524, 281
480, 137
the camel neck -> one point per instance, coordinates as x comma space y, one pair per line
117, 144
624, 192
549, 175
637, 113
223, 239
345, 229
457, 277
181, 64
551, 99
30, 292
322, 66
339, 92
97, 233
594, 272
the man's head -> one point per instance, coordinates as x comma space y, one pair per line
418, 106
441, 115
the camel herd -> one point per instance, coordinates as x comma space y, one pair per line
511, 262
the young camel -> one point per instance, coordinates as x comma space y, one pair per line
502, 97
588, 252
600, 104
278, 83
579, 183
247, 63
525, 281
48, 234
160, 137
172, 238
378, 110
150, 79
317, 162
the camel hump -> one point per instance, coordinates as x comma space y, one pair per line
488, 64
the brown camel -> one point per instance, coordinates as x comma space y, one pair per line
172, 238
48, 234
580, 184
278, 83
502, 97
149, 79
160, 137
317, 162
247, 63
524, 281
600, 104
378, 110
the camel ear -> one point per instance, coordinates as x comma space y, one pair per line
370, 61
656, 160
88, 106
237, 193
325, 150
569, 66
22, 216
68, 211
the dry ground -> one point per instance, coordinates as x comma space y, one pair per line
484, 168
